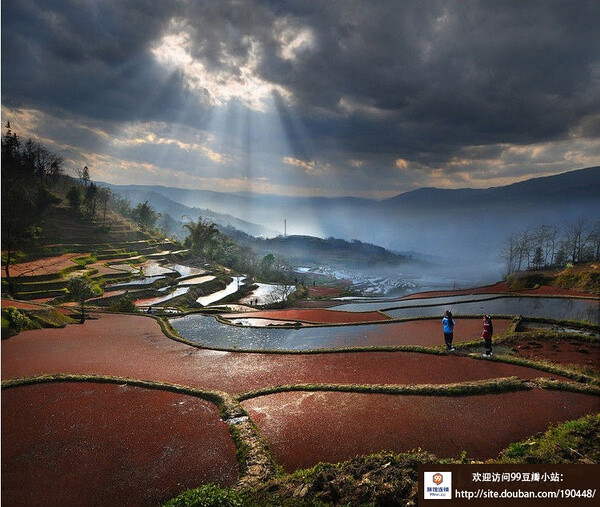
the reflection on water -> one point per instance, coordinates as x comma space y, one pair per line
163, 299
196, 280
185, 270
217, 296
208, 332
550, 308
395, 303
144, 281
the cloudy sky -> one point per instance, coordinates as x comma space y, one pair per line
311, 98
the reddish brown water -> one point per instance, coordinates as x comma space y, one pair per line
84, 444
131, 346
305, 428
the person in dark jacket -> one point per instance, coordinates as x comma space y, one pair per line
448, 322
486, 334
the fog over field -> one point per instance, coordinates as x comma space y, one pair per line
457, 235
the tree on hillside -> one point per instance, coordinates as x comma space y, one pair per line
551, 246
84, 176
91, 199
143, 214
104, 195
201, 233
538, 258
74, 197
282, 292
81, 290
28, 172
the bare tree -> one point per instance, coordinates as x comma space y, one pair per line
282, 292
576, 239
595, 240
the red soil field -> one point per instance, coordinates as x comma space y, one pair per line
44, 266
501, 288
134, 346
108, 294
319, 292
21, 305
558, 350
305, 428
314, 316
41, 300
102, 444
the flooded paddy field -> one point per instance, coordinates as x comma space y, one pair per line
304, 428
64, 444
208, 332
544, 307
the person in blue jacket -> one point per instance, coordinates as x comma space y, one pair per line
448, 322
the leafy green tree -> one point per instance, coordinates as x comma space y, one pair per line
81, 290
266, 266
104, 195
201, 234
27, 173
91, 199
74, 197
143, 214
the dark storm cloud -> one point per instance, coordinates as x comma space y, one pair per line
441, 75
425, 81
90, 59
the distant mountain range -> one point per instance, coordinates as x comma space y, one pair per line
181, 214
463, 226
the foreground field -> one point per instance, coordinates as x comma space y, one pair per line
309, 407
123, 410
75, 444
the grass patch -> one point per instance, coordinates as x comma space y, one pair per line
492, 386
50, 317
209, 495
379, 479
570, 442
573, 387
215, 397
546, 366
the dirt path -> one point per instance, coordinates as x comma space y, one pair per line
76, 444
131, 346
305, 428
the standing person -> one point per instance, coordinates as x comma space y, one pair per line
448, 322
486, 334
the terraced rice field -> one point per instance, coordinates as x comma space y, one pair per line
44, 266
310, 406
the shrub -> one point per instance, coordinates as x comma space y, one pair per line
209, 495
15, 320
124, 304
